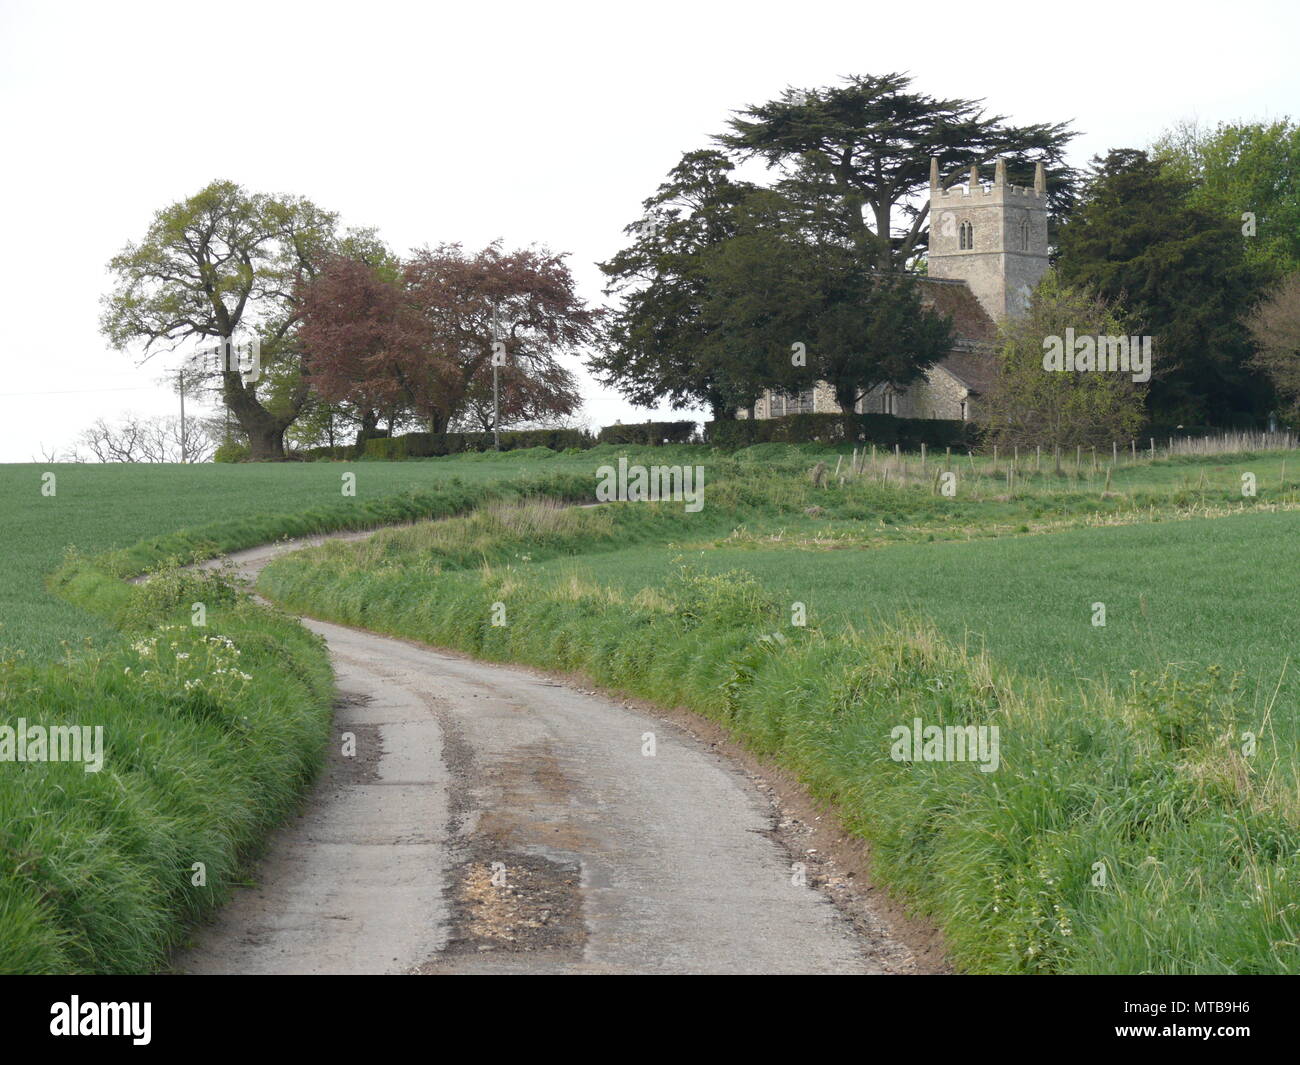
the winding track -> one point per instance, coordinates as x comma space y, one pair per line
493, 820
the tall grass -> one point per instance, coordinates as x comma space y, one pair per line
210, 736
1234, 443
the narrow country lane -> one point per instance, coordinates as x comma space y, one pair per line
493, 820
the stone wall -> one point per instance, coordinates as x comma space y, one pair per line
937, 395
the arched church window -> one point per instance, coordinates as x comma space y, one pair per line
967, 236
1024, 235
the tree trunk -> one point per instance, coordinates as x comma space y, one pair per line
721, 410
265, 430
369, 427
884, 249
266, 441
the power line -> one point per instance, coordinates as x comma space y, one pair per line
76, 391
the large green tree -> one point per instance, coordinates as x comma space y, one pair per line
227, 263
659, 342
1179, 272
856, 157
798, 311
728, 290
1248, 172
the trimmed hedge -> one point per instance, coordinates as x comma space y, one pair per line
885, 430
649, 434
339, 452
427, 445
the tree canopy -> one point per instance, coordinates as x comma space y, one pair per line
722, 276
860, 152
226, 263
1246, 172
1179, 272
415, 339
346, 329
1029, 404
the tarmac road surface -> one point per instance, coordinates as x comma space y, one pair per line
492, 820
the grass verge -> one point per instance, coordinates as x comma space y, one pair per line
209, 736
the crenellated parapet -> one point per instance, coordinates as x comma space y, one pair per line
991, 236
1000, 189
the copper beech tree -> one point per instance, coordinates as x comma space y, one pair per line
362, 339
417, 341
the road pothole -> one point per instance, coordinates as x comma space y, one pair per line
516, 903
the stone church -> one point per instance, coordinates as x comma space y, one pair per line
988, 248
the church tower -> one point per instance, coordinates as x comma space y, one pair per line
993, 237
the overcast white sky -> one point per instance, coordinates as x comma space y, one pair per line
533, 122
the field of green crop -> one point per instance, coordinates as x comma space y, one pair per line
98, 508
1191, 592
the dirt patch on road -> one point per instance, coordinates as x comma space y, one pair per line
367, 747
505, 898
517, 903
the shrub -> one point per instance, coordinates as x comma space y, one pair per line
649, 434
429, 445
232, 451
386, 448
339, 452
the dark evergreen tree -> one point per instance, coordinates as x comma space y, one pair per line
1179, 274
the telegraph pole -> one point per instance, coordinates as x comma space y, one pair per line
180, 381
496, 389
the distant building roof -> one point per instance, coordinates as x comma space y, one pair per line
977, 372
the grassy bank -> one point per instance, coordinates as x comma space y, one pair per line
209, 736
1130, 826
202, 738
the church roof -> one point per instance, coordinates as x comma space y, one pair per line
970, 321
971, 362
976, 370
